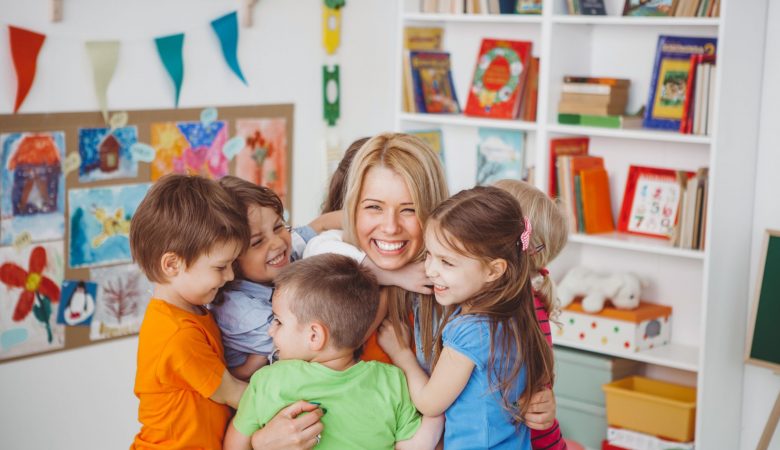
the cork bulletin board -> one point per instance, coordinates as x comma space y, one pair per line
70, 184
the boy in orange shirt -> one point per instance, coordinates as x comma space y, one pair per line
184, 235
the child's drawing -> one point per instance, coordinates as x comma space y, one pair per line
100, 223
105, 154
123, 295
33, 186
78, 303
264, 160
190, 148
30, 281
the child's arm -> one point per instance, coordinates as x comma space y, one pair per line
431, 396
426, 437
328, 221
234, 440
252, 364
229, 391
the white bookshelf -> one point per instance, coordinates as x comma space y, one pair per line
706, 289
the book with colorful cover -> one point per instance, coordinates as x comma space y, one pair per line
417, 38
651, 201
499, 77
434, 91
652, 8
563, 147
529, 7
670, 78
434, 140
500, 154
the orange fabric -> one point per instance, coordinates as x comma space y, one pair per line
373, 352
180, 365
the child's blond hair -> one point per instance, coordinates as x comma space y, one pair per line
549, 235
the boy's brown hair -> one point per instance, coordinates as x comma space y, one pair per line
335, 290
248, 194
186, 215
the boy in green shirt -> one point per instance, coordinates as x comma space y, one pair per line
323, 308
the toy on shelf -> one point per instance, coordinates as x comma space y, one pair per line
622, 289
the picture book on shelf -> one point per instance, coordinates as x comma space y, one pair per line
651, 201
434, 91
417, 38
529, 7
434, 140
669, 81
563, 147
499, 77
653, 8
499, 155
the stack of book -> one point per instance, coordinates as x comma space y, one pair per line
699, 96
582, 183
697, 8
482, 6
692, 216
595, 101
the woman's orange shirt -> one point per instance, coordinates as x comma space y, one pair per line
373, 352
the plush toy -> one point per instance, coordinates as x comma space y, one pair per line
622, 289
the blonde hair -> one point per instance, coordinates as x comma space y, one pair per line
549, 235
419, 166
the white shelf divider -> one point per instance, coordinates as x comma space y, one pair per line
628, 133
461, 120
624, 241
685, 22
676, 356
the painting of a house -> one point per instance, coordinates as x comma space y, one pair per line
105, 153
33, 186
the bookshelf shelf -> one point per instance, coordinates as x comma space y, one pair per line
473, 18
635, 134
635, 243
686, 22
461, 120
675, 356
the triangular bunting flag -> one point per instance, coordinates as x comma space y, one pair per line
25, 46
104, 56
226, 28
169, 48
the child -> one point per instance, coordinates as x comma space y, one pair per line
549, 236
243, 310
491, 356
185, 235
323, 307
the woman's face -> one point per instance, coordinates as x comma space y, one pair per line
385, 223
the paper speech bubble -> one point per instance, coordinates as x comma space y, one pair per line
22, 240
142, 152
118, 120
72, 162
208, 115
233, 146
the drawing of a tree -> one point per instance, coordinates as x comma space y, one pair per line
120, 296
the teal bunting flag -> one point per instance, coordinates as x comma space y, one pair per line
169, 48
226, 28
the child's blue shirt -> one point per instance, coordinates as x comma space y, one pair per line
244, 316
477, 419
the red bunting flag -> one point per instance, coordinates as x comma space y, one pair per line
25, 45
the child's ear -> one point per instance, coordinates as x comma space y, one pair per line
318, 336
496, 269
171, 264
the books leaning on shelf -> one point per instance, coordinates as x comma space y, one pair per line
699, 96
500, 78
563, 147
594, 96
417, 39
588, 120
583, 184
481, 6
669, 81
689, 232
500, 155
585, 8
434, 91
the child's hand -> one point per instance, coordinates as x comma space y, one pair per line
393, 344
411, 277
541, 412
290, 429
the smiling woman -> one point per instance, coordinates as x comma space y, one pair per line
394, 183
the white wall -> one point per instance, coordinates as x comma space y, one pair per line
761, 387
83, 398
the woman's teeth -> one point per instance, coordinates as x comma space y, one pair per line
389, 246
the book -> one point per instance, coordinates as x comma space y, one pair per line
417, 38
434, 91
562, 147
596, 202
499, 75
609, 81
499, 155
601, 121
653, 8
529, 7
670, 77
569, 107
595, 99
577, 181
592, 8
687, 113
530, 99
650, 202
593, 88
573, 166
434, 140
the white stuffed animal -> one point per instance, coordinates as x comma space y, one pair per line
621, 288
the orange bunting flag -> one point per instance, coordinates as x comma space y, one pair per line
25, 45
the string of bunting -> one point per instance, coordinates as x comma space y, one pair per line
104, 55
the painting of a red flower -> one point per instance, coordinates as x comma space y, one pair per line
34, 285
